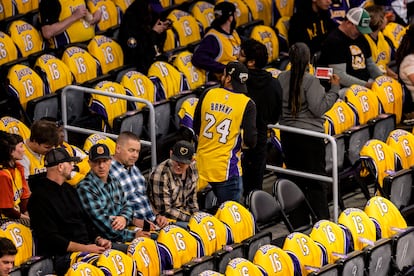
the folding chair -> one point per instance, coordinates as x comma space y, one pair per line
352, 264
403, 251
398, 188
265, 209
378, 258
268, 255
199, 265
225, 255
252, 244
327, 270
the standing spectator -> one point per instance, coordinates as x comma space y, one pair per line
103, 198
63, 23
380, 48
15, 192
311, 24
304, 103
266, 92
221, 43
43, 137
173, 184
8, 252
405, 64
220, 117
142, 34
58, 220
348, 53
132, 181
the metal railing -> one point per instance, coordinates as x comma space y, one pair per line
332, 179
78, 89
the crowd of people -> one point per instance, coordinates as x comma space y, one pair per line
76, 201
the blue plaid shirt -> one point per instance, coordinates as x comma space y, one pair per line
102, 200
135, 189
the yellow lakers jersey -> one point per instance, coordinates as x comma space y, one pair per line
361, 227
83, 257
83, 165
8, 50
25, 84
12, 125
27, 38
238, 219
99, 139
21, 236
395, 33
35, 161
229, 46
363, 101
7, 9
261, 10
172, 81
267, 36
274, 260
138, 85
78, 31
219, 144
145, 253
204, 12
176, 246
123, 4
82, 269
56, 73
109, 107
83, 66
211, 234
186, 112
385, 215
390, 94
107, 52
242, 13
333, 239
380, 51
382, 156
402, 142
117, 262
274, 71
186, 28
308, 252
339, 118
24, 6
241, 266
111, 14
282, 26
195, 76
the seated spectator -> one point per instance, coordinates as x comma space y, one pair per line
13, 186
348, 53
63, 24
58, 220
221, 43
103, 199
132, 181
173, 183
8, 252
43, 137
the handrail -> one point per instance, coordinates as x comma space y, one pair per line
77, 89
333, 179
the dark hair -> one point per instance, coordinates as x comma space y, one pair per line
255, 50
406, 46
299, 55
7, 247
44, 132
7, 145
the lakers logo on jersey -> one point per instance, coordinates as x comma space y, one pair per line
358, 58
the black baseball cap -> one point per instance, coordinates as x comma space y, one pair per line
99, 151
239, 75
57, 156
183, 152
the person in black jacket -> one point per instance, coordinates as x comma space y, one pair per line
266, 92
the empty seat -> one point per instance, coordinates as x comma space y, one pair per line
27, 38
275, 261
108, 52
145, 253
111, 15
196, 77
8, 50
116, 263
21, 236
81, 63
265, 209
203, 11
402, 142
268, 37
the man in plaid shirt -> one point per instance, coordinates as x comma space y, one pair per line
132, 181
103, 198
173, 189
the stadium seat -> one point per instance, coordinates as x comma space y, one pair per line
261, 10
403, 251
402, 142
378, 257
252, 244
326, 270
199, 265
203, 11
122, 4
265, 209
242, 13
395, 33
81, 268
224, 256
339, 118
196, 77
240, 266
144, 251
99, 139
382, 125
45, 106
21, 236
111, 17
184, 111
132, 121
267, 36
398, 188
39, 266
353, 264
363, 102
108, 52
275, 261
27, 38
117, 263
297, 213
8, 49
12, 125
207, 200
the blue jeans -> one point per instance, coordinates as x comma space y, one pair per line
230, 189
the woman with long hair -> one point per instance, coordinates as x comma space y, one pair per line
304, 102
13, 186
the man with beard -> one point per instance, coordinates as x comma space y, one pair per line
266, 92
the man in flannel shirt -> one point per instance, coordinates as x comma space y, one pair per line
132, 181
103, 199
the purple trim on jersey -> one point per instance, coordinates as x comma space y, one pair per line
234, 160
324, 256
166, 259
200, 244
99, 108
159, 89
296, 264
187, 121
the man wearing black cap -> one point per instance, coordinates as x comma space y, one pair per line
220, 117
221, 44
173, 184
58, 220
103, 198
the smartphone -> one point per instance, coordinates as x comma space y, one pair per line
323, 73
